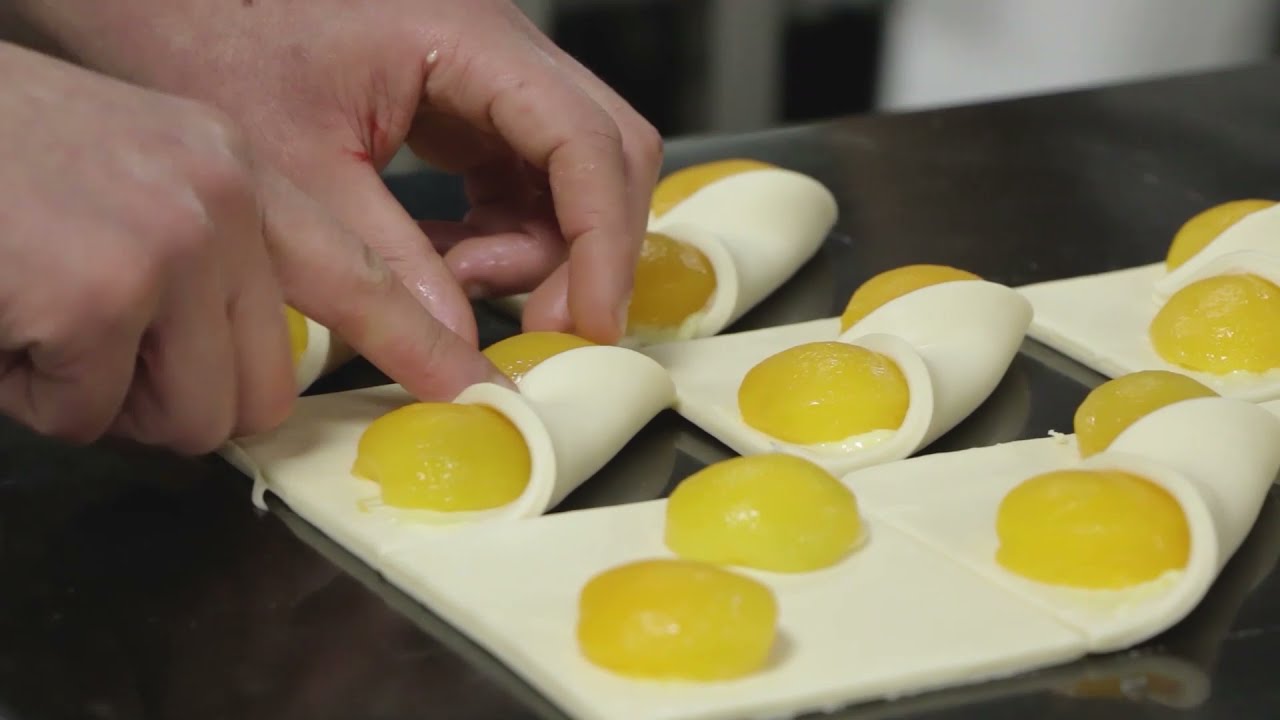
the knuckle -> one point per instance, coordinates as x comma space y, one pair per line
648, 143
221, 133
367, 284
223, 176
373, 279
449, 68
218, 157
589, 220
220, 168
178, 228
605, 132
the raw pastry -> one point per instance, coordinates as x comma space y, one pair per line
575, 411
1216, 456
894, 618
921, 606
1104, 321
316, 351
952, 342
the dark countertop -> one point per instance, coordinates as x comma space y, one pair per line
134, 584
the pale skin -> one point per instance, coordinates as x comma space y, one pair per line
186, 223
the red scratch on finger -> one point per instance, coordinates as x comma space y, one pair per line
374, 132
357, 154
373, 138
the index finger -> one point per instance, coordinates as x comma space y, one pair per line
555, 126
331, 276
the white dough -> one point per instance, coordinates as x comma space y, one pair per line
771, 221
1102, 320
1257, 232
756, 228
575, 410
1271, 406
920, 606
314, 354
592, 400
1217, 456
306, 462
953, 342
892, 619
322, 354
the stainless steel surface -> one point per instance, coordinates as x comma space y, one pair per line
138, 585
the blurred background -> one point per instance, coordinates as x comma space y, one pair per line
710, 66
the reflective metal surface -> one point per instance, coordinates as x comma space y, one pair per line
138, 585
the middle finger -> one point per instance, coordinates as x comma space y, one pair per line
552, 124
642, 145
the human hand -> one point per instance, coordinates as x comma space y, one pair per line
146, 257
558, 168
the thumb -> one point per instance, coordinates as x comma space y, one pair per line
330, 275
356, 196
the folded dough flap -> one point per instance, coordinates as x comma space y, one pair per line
911, 434
1257, 232
771, 220
1262, 263
1229, 449
592, 401
1118, 619
723, 305
1218, 458
543, 460
967, 332
315, 356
